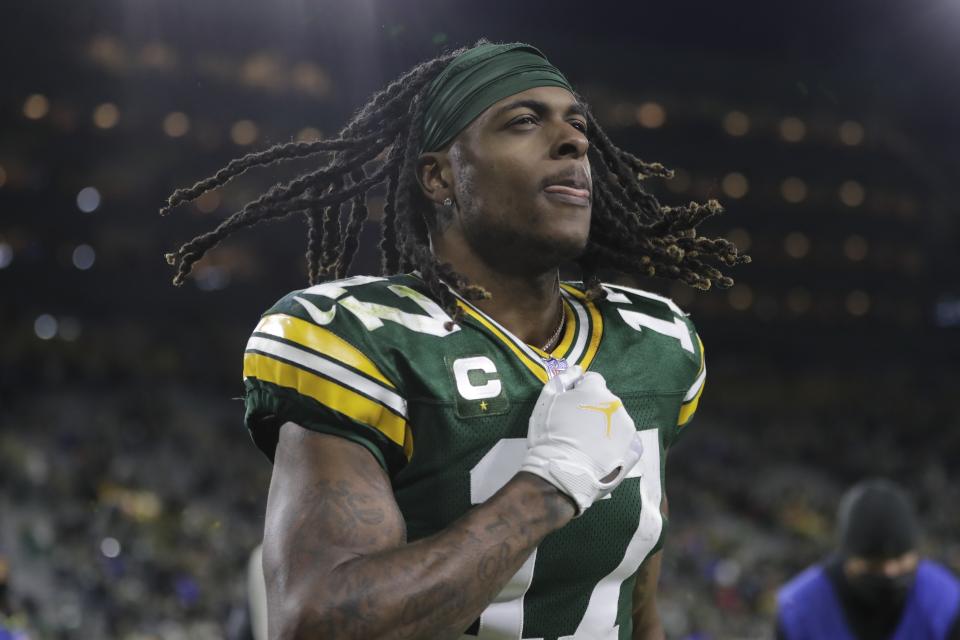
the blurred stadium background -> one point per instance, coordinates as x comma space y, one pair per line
130, 496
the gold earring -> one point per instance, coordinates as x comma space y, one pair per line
447, 202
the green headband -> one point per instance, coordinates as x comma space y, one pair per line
476, 79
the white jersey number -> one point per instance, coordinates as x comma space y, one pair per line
372, 314
503, 618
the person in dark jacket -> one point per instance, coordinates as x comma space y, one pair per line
875, 586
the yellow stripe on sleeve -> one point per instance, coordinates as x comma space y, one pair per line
690, 407
321, 340
332, 395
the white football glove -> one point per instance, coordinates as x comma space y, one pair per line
580, 434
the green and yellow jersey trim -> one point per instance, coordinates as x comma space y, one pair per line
579, 344
592, 319
296, 354
524, 353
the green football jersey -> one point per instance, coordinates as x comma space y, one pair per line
444, 409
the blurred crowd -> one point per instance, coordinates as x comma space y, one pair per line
127, 513
130, 510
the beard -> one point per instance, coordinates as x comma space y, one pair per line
522, 251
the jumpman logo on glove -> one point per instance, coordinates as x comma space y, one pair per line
606, 408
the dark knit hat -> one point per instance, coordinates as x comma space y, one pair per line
876, 519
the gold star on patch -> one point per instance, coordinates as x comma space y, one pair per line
483, 405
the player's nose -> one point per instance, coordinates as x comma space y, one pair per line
569, 142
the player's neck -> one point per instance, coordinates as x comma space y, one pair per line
528, 305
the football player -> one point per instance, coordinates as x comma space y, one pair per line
467, 446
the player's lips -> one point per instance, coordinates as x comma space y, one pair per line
571, 186
567, 194
571, 191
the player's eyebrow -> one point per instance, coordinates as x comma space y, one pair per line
540, 108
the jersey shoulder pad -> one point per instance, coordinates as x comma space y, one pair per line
320, 357
652, 312
639, 309
646, 301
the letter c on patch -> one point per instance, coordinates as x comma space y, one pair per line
462, 368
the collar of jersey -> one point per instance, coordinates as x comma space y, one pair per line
579, 343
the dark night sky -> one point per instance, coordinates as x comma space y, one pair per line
909, 45
899, 57
852, 59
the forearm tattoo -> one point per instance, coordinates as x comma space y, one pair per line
432, 588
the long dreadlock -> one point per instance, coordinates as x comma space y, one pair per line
630, 231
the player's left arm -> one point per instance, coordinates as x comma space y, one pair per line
646, 617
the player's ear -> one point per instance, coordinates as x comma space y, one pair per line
433, 174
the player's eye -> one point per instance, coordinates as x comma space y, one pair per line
524, 119
580, 125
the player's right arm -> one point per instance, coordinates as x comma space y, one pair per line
336, 560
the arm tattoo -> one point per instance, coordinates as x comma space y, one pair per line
340, 566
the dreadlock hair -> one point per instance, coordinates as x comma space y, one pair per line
630, 231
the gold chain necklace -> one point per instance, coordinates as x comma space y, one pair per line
552, 342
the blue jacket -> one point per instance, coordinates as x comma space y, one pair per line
810, 610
